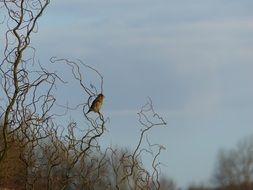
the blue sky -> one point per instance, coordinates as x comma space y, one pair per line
193, 58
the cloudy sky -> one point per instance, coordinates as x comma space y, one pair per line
194, 58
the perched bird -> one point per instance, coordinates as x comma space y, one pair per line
96, 104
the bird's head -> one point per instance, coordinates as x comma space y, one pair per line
101, 96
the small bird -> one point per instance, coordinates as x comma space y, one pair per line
96, 104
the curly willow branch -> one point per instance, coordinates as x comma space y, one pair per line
53, 155
22, 17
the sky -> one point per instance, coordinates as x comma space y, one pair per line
192, 57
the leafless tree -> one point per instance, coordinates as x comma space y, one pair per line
235, 167
38, 152
167, 184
